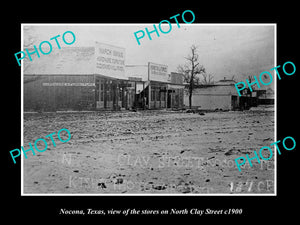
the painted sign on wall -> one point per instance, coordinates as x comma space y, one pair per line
158, 72
110, 60
56, 84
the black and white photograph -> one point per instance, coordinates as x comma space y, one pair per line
145, 111
148, 109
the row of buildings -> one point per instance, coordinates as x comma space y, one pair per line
97, 78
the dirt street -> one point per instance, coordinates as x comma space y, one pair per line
149, 152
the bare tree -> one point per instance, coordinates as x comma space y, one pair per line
207, 79
190, 70
250, 79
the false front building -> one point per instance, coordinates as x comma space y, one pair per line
78, 78
95, 78
157, 88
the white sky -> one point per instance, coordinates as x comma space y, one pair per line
224, 50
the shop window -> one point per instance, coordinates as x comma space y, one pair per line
101, 92
157, 95
108, 96
152, 95
163, 96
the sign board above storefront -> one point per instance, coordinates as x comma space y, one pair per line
56, 84
158, 72
135, 78
110, 60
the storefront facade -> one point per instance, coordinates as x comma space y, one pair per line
94, 78
77, 92
114, 94
175, 96
160, 89
78, 78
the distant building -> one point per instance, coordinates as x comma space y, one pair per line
221, 95
265, 97
255, 97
